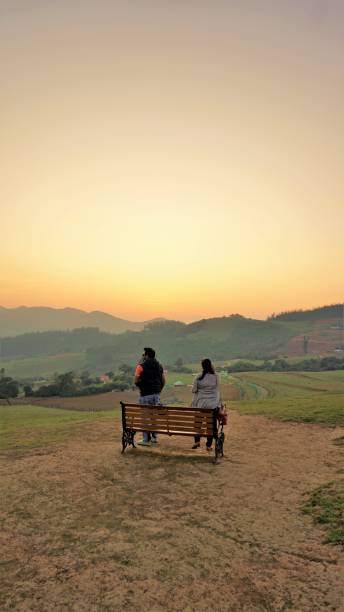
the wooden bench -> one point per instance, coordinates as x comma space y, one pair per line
172, 421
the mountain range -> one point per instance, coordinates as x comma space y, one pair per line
23, 320
82, 340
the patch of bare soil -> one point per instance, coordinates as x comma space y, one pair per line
323, 338
84, 528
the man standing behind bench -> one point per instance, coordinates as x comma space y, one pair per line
150, 379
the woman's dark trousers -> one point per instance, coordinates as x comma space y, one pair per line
209, 440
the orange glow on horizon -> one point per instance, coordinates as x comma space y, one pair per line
172, 160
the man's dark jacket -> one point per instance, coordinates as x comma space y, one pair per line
150, 381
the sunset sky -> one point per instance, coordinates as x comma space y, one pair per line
177, 158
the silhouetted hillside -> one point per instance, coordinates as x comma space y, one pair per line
53, 343
316, 332
22, 320
218, 338
221, 338
334, 311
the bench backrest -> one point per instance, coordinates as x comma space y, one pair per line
169, 419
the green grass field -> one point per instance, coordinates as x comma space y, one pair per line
309, 397
195, 367
316, 397
43, 366
260, 385
322, 409
172, 377
25, 427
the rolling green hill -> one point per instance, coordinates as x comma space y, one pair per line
34, 367
333, 311
219, 338
316, 331
40, 344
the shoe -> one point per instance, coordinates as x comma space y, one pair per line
209, 448
144, 443
154, 441
196, 445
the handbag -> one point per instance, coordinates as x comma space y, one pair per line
222, 414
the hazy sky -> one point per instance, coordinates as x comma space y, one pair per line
178, 158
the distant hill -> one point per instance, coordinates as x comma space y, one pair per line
323, 313
221, 338
218, 338
321, 327
23, 320
40, 344
314, 332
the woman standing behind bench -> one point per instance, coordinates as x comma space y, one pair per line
206, 389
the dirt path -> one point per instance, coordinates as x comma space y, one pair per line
85, 528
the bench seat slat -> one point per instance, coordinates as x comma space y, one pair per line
161, 410
172, 432
149, 426
171, 419
189, 417
168, 425
164, 417
169, 408
193, 430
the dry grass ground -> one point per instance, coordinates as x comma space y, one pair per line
84, 528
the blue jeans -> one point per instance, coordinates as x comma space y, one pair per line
149, 400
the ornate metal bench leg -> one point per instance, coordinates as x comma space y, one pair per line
131, 438
124, 441
128, 439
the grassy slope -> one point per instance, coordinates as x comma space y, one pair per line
309, 398
43, 366
23, 427
322, 409
287, 384
226, 362
172, 377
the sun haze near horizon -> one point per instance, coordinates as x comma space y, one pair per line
181, 160
161, 318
